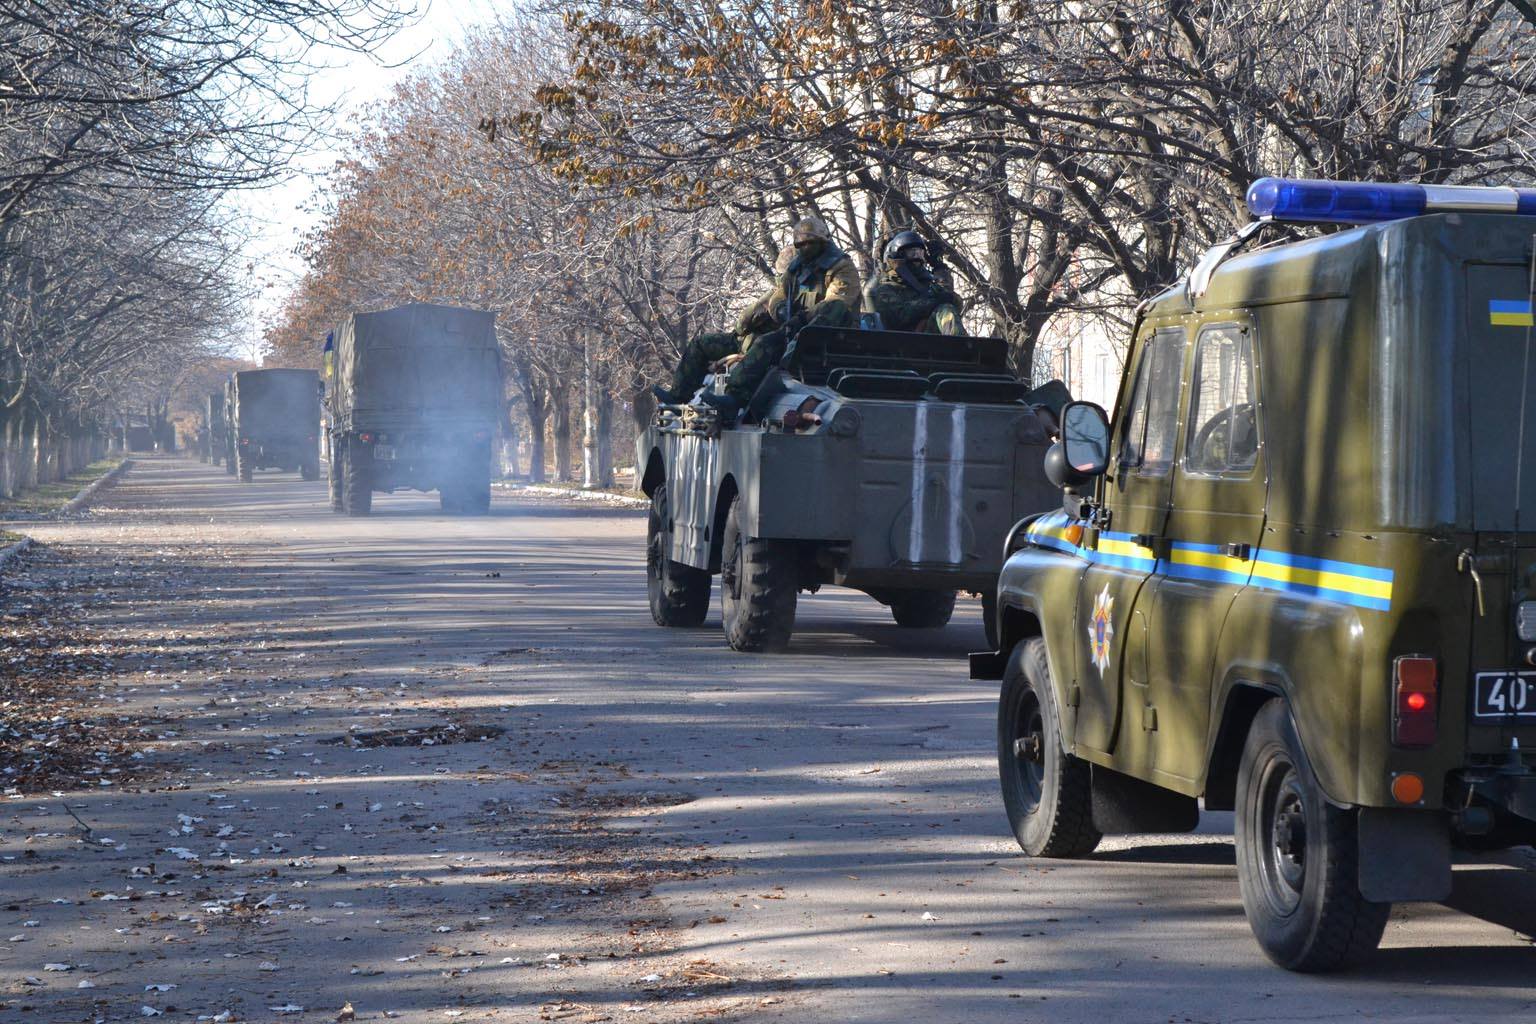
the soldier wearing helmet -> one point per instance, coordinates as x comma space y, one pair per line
909, 295
819, 284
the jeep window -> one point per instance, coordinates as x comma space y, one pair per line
1223, 434
1149, 439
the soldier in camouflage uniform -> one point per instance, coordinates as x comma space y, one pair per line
909, 295
820, 285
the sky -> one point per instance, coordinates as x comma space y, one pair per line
278, 215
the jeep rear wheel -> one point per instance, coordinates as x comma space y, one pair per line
1047, 791
679, 593
922, 609
1297, 856
759, 586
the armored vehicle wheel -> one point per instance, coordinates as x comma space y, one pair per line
247, 470
989, 617
357, 485
758, 588
1046, 790
923, 609
309, 471
679, 593
1297, 856
336, 472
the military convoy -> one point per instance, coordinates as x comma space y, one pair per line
1291, 576
274, 422
890, 463
416, 403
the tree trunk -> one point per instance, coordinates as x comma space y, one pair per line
590, 471
538, 417
509, 459
561, 400
605, 439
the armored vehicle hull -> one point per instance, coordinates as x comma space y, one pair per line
1303, 589
275, 421
865, 474
416, 405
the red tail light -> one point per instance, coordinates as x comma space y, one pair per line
366, 438
1415, 704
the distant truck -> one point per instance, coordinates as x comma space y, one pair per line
275, 421
888, 462
416, 402
217, 428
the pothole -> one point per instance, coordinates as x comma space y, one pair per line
425, 736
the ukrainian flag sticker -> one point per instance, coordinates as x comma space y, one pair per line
1510, 313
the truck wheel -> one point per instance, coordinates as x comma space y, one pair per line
1297, 856
758, 588
1047, 792
679, 593
357, 485
923, 609
247, 470
336, 475
309, 471
989, 618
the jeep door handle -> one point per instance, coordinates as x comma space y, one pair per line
1241, 552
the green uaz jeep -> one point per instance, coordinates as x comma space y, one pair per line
1296, 576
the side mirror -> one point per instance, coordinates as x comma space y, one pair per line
1083, 451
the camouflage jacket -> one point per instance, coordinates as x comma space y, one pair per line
904, 308
830, 277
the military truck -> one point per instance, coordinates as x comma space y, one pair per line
416, 404
1291, 577
274, 418
216, 427
887, 462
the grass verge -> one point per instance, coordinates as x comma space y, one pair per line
51, 497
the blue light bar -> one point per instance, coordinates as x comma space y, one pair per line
1364, 202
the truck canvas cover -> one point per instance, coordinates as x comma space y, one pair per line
277, 403
418, 363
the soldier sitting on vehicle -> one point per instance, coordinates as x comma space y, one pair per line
910, 294
820, 285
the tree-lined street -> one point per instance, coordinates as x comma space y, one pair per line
444, 768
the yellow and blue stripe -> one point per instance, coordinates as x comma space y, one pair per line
1325, 579
1510, 313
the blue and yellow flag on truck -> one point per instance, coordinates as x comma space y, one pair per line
1510, 313
328, 356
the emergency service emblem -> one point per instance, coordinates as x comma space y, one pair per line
1101, 629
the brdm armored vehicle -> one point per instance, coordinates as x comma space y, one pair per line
415, 403
1295, 575
887, 462
274, 421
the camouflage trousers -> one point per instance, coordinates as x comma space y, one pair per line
767, 351
697, 357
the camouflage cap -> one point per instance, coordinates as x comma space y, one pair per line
811, 229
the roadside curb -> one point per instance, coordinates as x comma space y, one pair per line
9, 552
576, 493
81, 500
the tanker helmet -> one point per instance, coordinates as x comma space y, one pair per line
906, 246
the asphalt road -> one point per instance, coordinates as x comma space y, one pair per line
622, 823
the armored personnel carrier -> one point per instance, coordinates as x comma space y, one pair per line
886, 462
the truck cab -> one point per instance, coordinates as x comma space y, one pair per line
1290, 576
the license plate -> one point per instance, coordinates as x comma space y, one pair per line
1505, 695
384, 451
